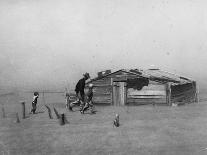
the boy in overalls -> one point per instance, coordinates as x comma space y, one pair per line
89, 97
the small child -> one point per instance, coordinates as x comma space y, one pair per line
89, 97
34, 102
67, 100
77, 102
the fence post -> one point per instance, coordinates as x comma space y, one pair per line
3, 111
168, 94
17, 117
197, 92
49, 112
56, 113
23, 110
43, 97
62, 119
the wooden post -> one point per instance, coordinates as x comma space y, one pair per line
116, 121
62, 119
198, 91
168, 94
3, 111
112, 85
127, 107
43, 97
115, 93
17, 117
23, 110
49, 112
56, 113
125, 93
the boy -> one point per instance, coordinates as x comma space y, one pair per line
67, 100
34, 102
89, 103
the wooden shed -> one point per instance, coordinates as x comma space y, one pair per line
153, 86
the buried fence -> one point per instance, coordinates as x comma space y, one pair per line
15, 104
18, 105
21, 102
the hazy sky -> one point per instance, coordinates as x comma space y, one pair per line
47, 43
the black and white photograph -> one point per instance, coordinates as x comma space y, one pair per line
103, 77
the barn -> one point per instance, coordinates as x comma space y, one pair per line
138, 87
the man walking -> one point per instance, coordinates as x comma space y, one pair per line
80, 94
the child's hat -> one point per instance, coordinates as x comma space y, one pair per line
36, 93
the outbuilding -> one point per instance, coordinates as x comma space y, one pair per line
136, 86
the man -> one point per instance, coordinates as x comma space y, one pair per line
80, 94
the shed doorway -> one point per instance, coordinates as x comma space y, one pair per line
119, 93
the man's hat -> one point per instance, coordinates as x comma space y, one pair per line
86, 75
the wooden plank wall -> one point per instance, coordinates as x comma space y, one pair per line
185, 93
103, 88
102, 92
154, 93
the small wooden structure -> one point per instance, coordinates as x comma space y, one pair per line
137, 87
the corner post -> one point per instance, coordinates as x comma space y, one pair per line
168, 94
23, 110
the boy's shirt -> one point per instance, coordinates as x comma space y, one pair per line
35, 99
67, 96
89, 94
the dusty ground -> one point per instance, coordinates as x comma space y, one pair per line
153, 130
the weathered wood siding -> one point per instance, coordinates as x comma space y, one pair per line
121, 76
154, 93
102, 91
119, 93
185, 93
107, 90
103, 88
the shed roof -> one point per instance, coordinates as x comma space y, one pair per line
153, 75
